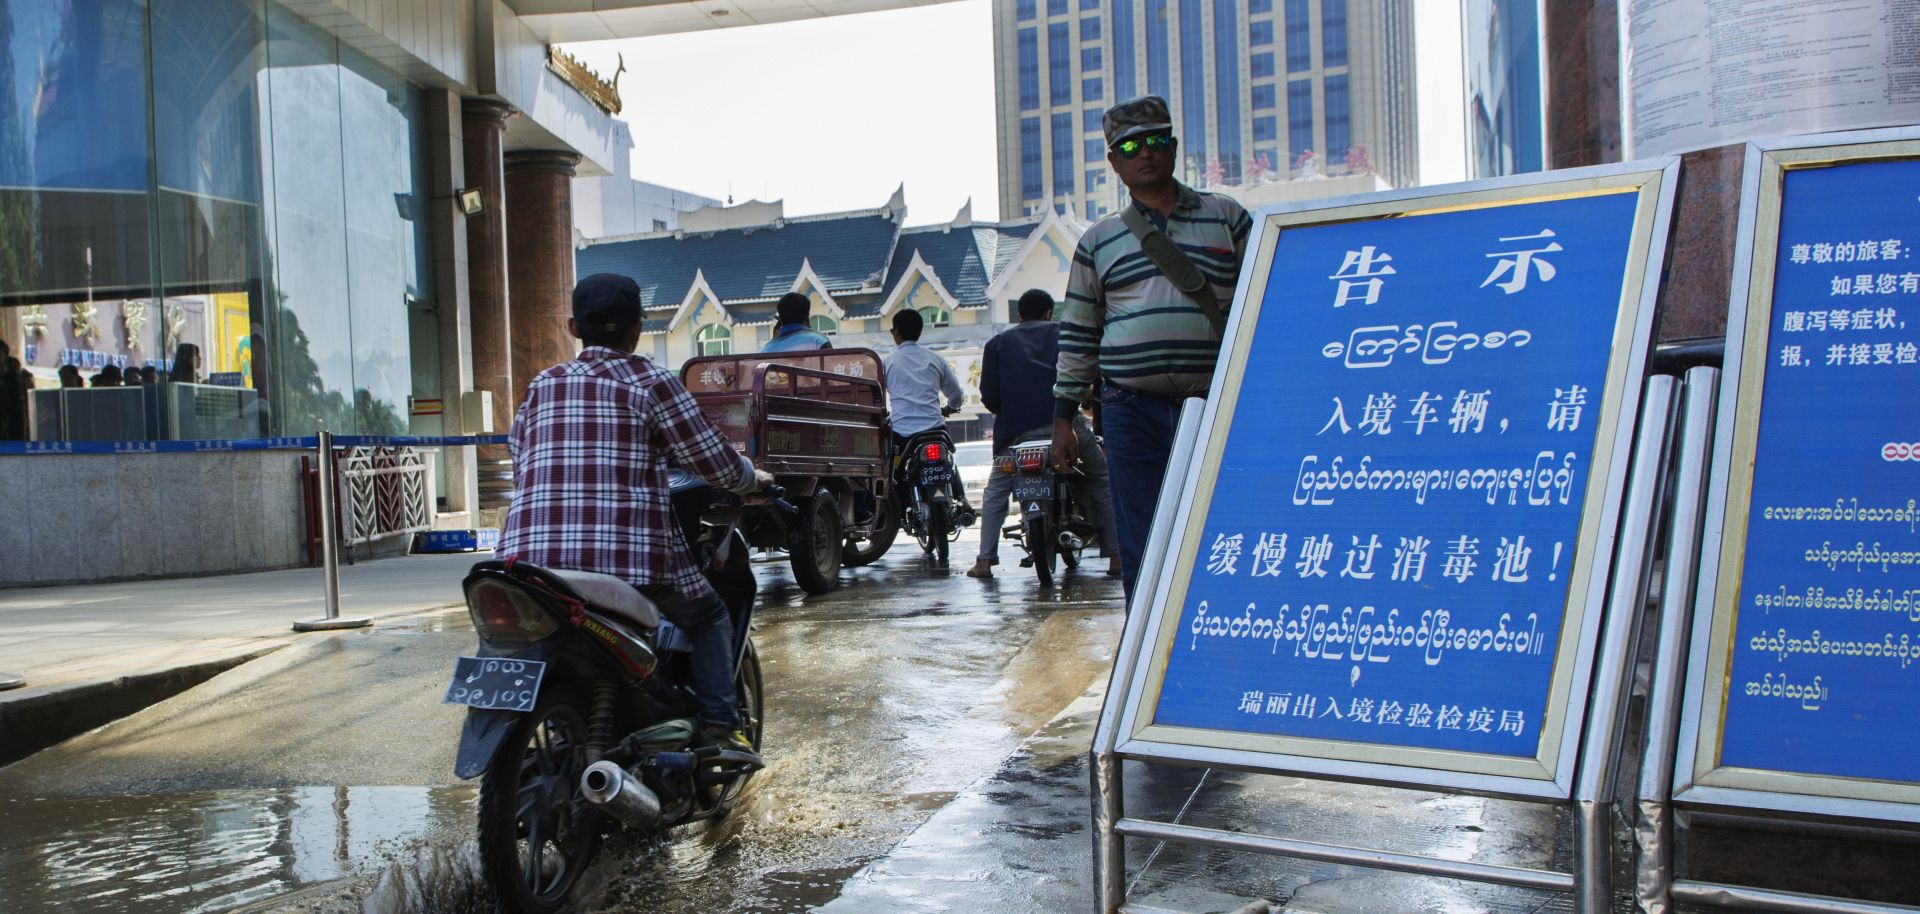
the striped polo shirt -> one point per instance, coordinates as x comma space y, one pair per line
1126, 322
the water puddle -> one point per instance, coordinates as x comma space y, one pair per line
221, 850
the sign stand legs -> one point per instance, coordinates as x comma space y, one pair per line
330, 548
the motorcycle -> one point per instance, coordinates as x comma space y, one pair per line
581, 716
1054, 521
928, 509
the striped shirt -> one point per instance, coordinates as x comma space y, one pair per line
1125, 321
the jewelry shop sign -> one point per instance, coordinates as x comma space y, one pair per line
1391, 555
1806, 648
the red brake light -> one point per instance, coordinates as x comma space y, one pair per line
930, 452
1031, 459
503, 611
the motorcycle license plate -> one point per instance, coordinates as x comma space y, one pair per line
495, 683
932, 474
1033, 487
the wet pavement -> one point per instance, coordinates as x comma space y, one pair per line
325, 769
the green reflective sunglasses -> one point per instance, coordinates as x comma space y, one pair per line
1158, 142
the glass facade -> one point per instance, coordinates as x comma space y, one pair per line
1260, 34
1159, 58
1025, 10
266, 259
1260, 66
1030, 158
1299, 118
1193, 87
1090, 28
1060, 74
1056, 7
1339, 120
1226, 93
1063, 166
1299, 37
1263, 97
1029, 51
1124, 85
1333, 33
1092, 90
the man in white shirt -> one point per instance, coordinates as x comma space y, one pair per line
916, 380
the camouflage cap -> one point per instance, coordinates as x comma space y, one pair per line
1145, 114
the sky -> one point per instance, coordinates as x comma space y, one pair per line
832, 114
826, 114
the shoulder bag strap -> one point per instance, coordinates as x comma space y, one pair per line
1175, 265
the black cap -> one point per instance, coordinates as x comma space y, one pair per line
606, 302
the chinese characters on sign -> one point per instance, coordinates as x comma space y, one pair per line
1386, 555
1825, 654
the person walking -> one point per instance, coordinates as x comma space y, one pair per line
1144, 313
1016, 385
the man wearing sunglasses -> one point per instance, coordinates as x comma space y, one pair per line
1127, 326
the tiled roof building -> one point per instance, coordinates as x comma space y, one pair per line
710, 287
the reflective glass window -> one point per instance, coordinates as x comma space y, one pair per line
1025, 10
1226, 91
1260, 34
1059, 65
1299, 37
1089, 5
1260, 65
1089, 58
1095, 151
1029, 53
1333, 33
1299, 117
1063, 165
1339, 120
1259, 7
1090, 120
1090, 25
1092, 90
1158, 57
1030, 161
1263, 129
1193, 83
1263, 97
1123, 78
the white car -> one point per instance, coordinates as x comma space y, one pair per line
974, 460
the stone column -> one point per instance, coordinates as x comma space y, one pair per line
540, 246
1584, 86
484, 123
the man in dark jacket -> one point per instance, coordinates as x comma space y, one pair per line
1016, 374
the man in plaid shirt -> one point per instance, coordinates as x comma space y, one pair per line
591, 446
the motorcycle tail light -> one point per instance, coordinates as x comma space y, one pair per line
504, 612
930, 452
1031, 459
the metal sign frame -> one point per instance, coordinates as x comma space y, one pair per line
1698, 778
1624, 531
1550, 775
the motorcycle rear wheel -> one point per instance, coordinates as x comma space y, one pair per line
937, 522
536, 835
748, 689
1040, 546
886, 526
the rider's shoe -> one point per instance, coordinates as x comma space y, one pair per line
734, 740
981, 569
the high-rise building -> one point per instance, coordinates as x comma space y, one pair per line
1260, 90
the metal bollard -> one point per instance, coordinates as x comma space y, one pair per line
329, 544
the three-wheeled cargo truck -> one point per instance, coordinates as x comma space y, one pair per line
817, 420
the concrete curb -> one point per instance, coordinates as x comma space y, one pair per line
34, 719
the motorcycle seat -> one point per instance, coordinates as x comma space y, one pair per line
609, 593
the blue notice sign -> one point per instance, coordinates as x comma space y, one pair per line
1825, 652
1409, 456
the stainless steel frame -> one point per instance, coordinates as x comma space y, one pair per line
1697, 783
1653, 824
1626, 522
1681, 784
329, 546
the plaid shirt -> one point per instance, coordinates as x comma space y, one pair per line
590, 450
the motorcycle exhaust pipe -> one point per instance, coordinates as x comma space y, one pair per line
611, 788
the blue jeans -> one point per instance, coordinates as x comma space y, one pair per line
1139, 433
708, 625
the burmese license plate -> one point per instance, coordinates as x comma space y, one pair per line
1033, 487
495, 683
934, 474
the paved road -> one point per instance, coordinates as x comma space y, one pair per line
327, 764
